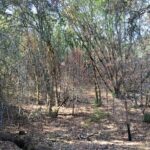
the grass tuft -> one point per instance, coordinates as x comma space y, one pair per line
146, 117
97, 116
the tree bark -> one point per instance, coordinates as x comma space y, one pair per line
128, 122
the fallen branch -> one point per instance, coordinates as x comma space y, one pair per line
87, 137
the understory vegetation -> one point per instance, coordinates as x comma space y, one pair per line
74, 74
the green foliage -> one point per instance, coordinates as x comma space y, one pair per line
54, 112
135, 106
97, 102
86, 124
97, 116
146, 117
36, 114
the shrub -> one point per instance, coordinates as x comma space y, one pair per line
35, 114
147, 117
97, 102
54, 112
97, 116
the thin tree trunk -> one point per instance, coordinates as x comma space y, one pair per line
98, 101
107, 98
141, 87
37, 90
113, 105
128, 122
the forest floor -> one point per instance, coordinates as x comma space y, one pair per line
91, 128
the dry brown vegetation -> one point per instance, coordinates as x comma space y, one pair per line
83, 131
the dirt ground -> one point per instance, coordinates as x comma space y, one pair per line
78, 132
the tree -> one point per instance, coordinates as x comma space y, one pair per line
110, 31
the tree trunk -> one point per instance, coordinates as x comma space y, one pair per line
37, 90
117, 92
1, 93
129, 132
141, 86
98, 101
128, 122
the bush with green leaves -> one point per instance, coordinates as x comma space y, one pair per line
97, 116
97, 102
146, 117
35, 114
